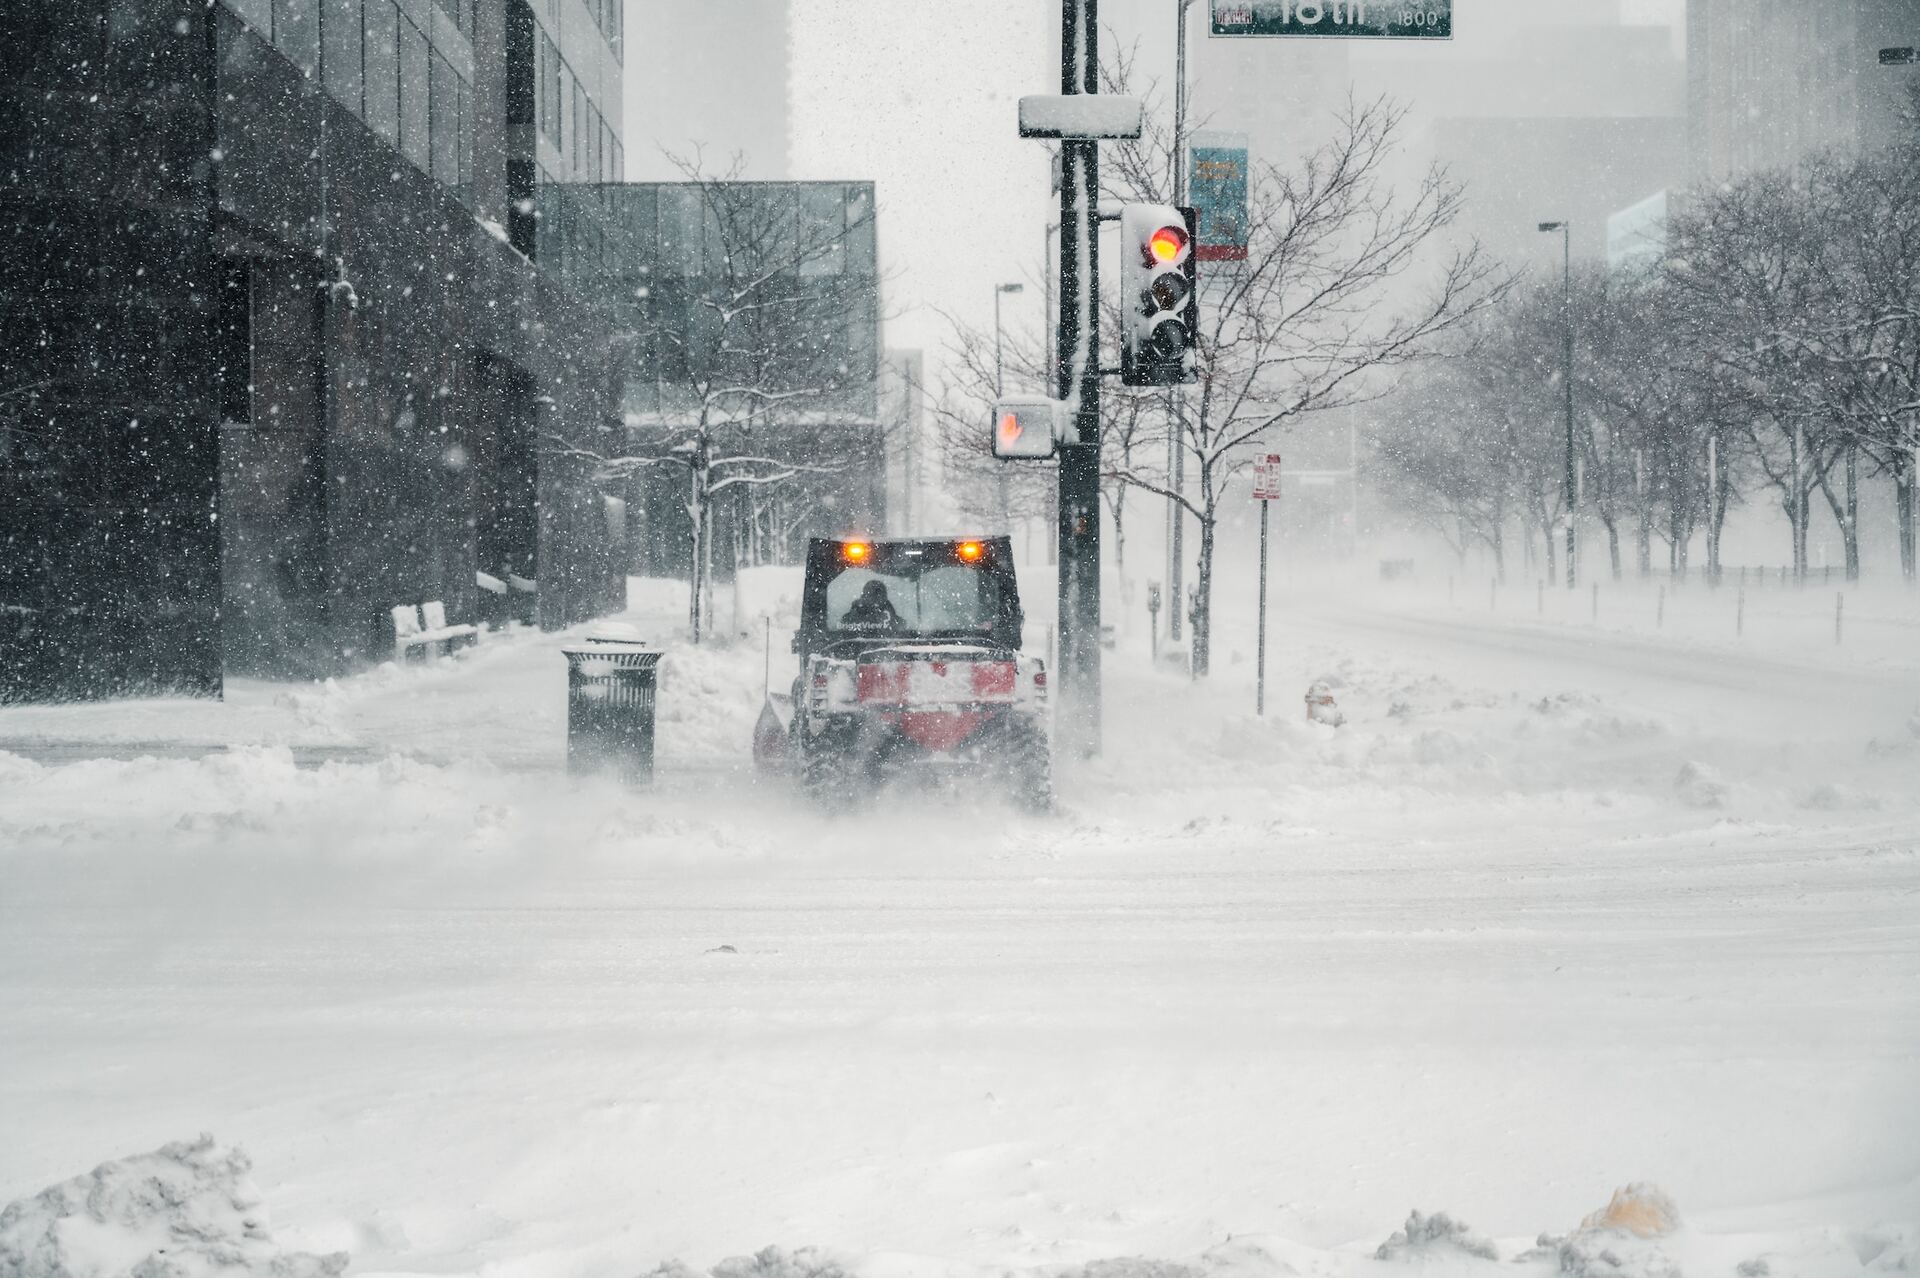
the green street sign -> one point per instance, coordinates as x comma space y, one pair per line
1346, 19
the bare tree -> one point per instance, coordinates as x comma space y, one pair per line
1872, 346
1448, 464
1308, 321
1776, 348
1748, 261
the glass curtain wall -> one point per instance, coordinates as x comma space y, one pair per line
665, 249
405, 67
411, 84
578, 145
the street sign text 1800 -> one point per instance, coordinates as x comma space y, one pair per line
1353, 19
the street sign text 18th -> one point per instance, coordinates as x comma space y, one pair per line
1353, 19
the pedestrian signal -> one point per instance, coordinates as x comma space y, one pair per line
1024, 427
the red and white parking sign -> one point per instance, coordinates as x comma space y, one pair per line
1266, 477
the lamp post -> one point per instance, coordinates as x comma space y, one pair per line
999, 381
1566, 315
1046, 284
1000, 388
1909, 552
1176, 407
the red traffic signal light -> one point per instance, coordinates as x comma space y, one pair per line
1164, 245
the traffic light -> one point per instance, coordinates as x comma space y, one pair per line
1024, 427
1158, 294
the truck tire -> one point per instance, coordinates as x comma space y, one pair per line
830, 770
1029, 762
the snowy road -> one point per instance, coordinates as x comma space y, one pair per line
1548, 916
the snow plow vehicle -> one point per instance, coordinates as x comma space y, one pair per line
910, 661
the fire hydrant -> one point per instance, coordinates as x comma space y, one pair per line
1321, 707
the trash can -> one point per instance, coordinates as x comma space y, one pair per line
611, 686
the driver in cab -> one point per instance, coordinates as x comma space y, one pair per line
873, 608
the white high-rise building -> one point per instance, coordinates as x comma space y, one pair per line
708, 78
1770, 82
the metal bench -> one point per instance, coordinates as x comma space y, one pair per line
425, 629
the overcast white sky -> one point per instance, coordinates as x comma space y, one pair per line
921, 98
926, 106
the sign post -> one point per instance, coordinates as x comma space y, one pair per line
1266, 489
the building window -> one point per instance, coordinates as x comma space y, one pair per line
383, 69
551, 70
296, 32
445, 129
233, 340
579, 125
608, 17
525, 106
461, 11
465, 158
415, 114
340, 30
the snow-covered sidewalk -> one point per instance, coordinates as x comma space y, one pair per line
1548, 916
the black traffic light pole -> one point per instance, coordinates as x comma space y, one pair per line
1078, 359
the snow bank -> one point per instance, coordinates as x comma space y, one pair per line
1627, 1237
186, 1210
1638, 1234
709, 698
1640, 1209
1439, 1234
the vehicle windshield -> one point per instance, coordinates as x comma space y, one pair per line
902, 595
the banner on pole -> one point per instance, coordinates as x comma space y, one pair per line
1217, 186
1266, 477
1352, 19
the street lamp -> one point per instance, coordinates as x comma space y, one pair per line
1176, 405
999, 387
1050, 372
1566, 313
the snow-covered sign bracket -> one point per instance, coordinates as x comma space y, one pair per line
1081, 116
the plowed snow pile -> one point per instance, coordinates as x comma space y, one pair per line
186, 1210
1638, 1234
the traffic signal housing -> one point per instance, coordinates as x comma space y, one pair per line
1159, 294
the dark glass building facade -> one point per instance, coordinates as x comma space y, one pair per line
282, 350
